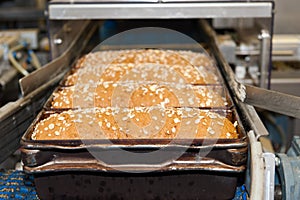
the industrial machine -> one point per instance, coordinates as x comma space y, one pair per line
74, 25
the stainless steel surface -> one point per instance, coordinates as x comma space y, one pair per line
103, 1
184, 1
265, 59
269, 175
286, 47
160, 10
274, 101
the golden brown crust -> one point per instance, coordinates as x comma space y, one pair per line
198, 65
139, 94
125, 95
138, 122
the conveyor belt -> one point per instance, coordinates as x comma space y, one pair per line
17, 185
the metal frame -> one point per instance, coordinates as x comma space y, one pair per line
160, 10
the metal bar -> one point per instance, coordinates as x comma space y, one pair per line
272, 100
160, 10
20, 14
103, 1
265, 58
269, 183
257, 168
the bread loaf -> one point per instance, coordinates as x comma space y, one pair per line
141, 94
138, 122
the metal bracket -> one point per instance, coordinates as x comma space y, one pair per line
272, 100
265, 58
269, 176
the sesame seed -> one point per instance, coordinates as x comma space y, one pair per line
161, 96
105, 85
154, 117
220, 123
131, 115
210, 131
176, 120
228, 135
197, 121
173, 130
51, 126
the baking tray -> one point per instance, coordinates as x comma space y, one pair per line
228, 151
234, 146
88, 178
59, 162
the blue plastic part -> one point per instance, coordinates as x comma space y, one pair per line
16, 185
241, 193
